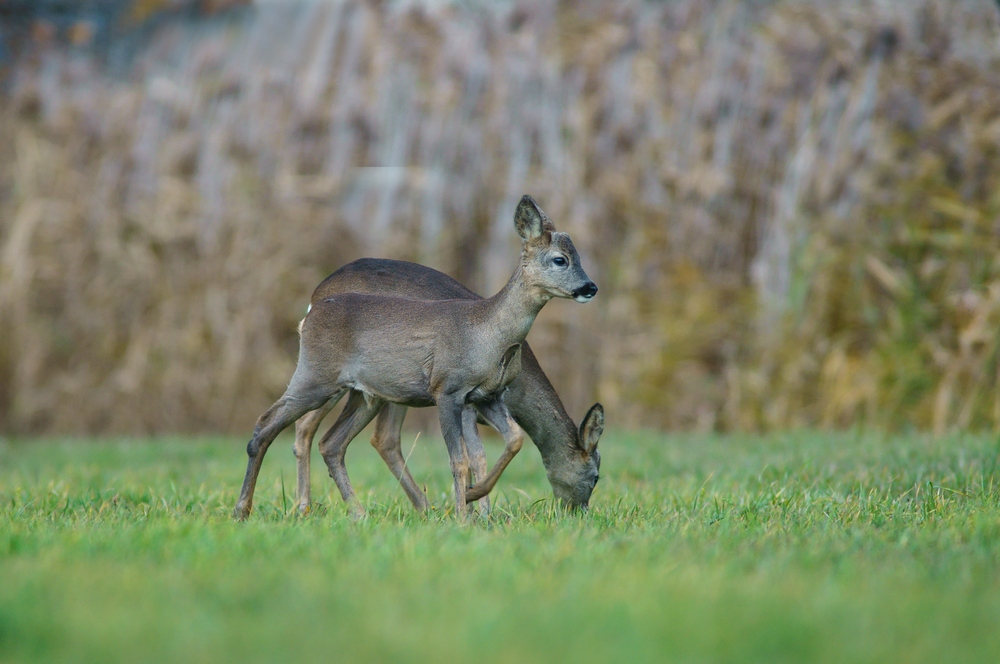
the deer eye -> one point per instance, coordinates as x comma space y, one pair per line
560, 261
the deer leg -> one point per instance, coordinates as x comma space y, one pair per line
477, 454
386, 440
358, 412
286, 410
305, 431
495, 412
450, 415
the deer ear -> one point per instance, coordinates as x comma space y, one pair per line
592, 427
529, 220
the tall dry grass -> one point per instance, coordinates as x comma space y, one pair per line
790, 207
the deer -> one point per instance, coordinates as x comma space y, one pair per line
459, 355
569, 454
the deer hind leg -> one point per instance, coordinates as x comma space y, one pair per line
305, 431
387, 441
477, 454
356, 415
290, 407
495, 412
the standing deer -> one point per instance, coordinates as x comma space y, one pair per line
457, 354
570, 455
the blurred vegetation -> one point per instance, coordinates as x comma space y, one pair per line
791, 207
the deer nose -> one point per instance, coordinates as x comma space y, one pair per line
586, 292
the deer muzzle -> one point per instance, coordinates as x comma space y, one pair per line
586, 292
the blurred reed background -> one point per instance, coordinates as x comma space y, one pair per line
791, 207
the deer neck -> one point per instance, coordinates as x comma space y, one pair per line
509, 314
537, 408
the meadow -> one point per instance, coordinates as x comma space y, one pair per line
849, 547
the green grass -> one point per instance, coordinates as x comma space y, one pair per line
785, 548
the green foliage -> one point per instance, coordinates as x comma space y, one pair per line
788, 548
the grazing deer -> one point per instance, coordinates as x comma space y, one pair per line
457, 354
570, 455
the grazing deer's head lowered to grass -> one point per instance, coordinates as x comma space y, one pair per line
458, 354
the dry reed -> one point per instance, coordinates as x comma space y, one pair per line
790, 207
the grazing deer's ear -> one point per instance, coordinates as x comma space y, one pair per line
592, 427
529, 220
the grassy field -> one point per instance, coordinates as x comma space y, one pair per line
783, 548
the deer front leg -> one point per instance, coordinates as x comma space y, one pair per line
450, 415
495, 412
305, 430
477, 454
358, 412
386, 440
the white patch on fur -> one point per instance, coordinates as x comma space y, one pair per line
303, 321
583, 298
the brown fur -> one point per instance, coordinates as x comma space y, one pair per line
457, 354
570, 457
